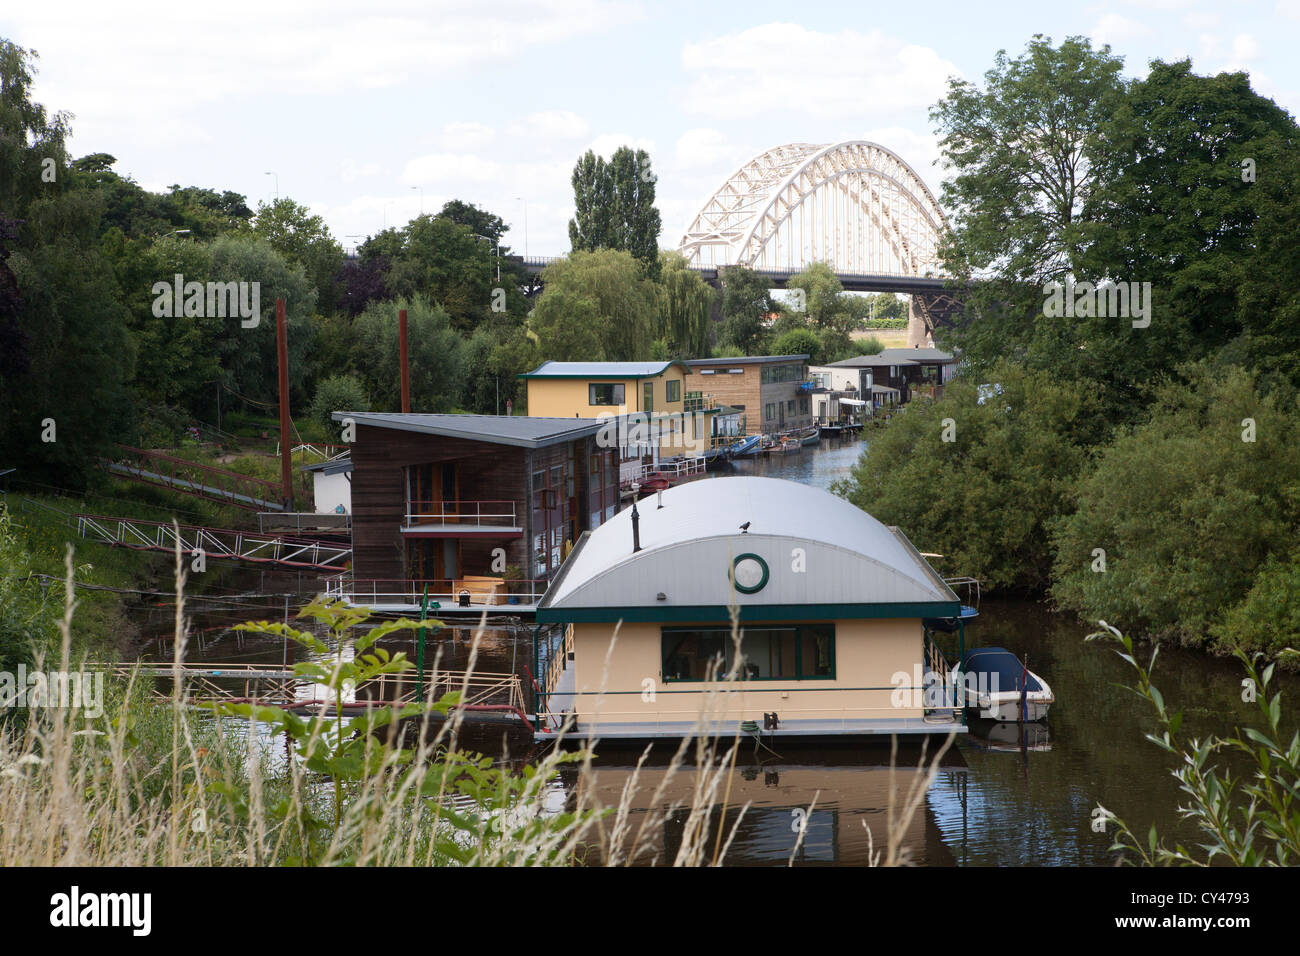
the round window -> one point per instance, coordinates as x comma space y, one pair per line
750, 572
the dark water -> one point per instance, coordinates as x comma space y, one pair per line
1003, 798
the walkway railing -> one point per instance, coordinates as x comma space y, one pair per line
482, 591
466, 514
193, 478
212, 542
278, 686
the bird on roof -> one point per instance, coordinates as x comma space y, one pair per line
744, 528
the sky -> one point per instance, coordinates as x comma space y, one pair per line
370, 112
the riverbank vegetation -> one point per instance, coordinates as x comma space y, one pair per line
1138, 465
156, 781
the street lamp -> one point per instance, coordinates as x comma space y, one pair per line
277, 182
498, 251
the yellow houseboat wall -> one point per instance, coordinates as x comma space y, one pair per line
868, 654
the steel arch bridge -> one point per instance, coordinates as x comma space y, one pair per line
856, 206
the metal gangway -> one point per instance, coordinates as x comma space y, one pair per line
219, 543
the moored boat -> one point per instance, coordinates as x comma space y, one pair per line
746, 447
812, 436
790, 446
1001, 687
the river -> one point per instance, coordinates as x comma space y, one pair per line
1004, 798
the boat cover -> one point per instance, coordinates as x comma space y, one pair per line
1000, 661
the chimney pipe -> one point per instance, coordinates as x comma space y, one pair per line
636, 521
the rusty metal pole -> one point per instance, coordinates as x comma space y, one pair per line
405, 361
286, 455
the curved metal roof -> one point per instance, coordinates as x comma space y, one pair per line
819, 550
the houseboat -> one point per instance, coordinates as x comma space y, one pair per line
831, 606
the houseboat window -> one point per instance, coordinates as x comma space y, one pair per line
673, 390
648, 396
539, 555
803, 404
607, 394
707, 371
787, 652
789, 406
769, 410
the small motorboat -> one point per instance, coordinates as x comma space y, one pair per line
999, 686
746, 447
790, 446
812, 436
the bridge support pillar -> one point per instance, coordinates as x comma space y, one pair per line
919, 334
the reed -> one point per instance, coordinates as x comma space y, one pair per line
150, 783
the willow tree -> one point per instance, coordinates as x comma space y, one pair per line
597, 306
685, 307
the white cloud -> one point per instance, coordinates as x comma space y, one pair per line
704, 147
1113, 28
607, 143
1289, 9
784, 66
1244, 47
450, 167
166, 60
465, 136
1201, 20
552, 125
351, 171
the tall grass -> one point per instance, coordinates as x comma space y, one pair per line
154, 783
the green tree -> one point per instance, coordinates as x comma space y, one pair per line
436, 355
478, 221
1182, 214
800, 342
1187, 507
746, 303
304, 239
338, 393
685, 307
1026, 151
598, 301
614, 206
980, 474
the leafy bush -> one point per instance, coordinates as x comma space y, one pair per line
985, 497
1268, 619
1185, 510
338, 393
1245, 820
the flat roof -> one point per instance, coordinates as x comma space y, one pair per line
869, 361
920, 355
522, 431
332, 467
601, 369
747, 360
